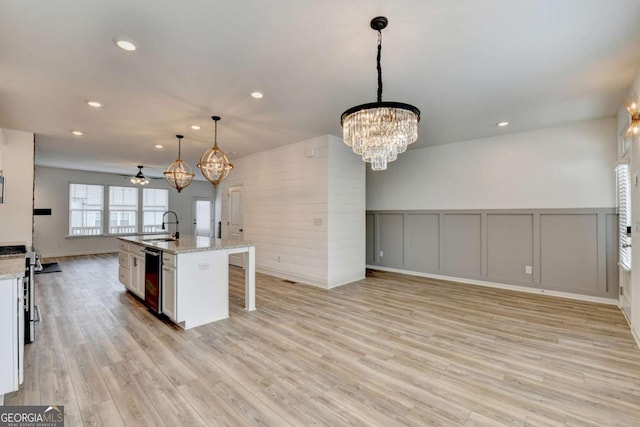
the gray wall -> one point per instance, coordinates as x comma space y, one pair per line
568, 250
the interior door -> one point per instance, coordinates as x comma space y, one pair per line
234, 226
202, 220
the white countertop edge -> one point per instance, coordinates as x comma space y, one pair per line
188, 244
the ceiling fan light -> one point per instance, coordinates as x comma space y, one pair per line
139, 178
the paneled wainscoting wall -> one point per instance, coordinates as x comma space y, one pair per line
560, 250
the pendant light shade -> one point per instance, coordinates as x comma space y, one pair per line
214, 163
139, 178
179, 174
379, 131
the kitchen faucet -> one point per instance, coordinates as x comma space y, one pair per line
177, 233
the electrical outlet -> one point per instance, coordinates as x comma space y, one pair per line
527, 269
278, 258
203, 266
381, 254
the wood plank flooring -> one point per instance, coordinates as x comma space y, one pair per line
388, 350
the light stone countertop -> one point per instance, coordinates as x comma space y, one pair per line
12, 266
187, 243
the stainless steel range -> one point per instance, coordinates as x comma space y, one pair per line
31, 310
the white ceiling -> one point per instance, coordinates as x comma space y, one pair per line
466, 64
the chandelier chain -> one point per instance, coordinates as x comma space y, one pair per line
379, 67
215, 134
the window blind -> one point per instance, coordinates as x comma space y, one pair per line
624, 215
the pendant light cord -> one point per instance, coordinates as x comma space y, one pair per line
378, 66
179, 146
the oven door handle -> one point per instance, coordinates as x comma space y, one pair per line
152, 253
38, 318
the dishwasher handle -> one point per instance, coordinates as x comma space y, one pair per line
152, 253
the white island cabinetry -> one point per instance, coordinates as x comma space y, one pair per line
169, 286
136, 259
11, 324
131, 267
195, 276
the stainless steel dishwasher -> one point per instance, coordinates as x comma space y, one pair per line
153, 279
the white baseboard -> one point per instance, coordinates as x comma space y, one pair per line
635, 335
305, 280
80, 253
312, 281
345, 280
579, 297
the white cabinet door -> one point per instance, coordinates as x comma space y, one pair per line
10, 344
136, 284
169, 303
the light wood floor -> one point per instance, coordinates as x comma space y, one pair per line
389, 350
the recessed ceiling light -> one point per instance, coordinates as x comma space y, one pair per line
502, 124
127, 45
77, 133
158, 146
195, 127
95, 104
257, 94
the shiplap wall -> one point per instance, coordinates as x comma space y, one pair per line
347, 200
292, 211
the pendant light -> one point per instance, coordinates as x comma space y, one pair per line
214, 163
179, 174
139, 178
379, 131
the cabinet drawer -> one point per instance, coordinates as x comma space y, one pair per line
123, 276
123, 259
137, 250
123, 246
168, 259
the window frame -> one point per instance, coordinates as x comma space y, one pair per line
142, 209
623, 207
105, 211
71, 210
109, 210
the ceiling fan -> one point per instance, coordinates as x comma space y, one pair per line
140, 178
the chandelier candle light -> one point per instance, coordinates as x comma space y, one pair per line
379, 131
179, 174
139, 178
214, 163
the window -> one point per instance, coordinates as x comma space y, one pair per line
85, 209
624, 215
123, 210
154, 203
124, 216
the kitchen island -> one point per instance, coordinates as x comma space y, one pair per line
195, 275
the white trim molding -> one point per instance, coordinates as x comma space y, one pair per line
601, 300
